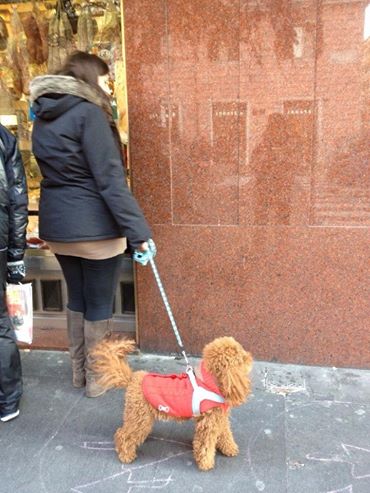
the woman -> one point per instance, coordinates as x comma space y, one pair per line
86, 208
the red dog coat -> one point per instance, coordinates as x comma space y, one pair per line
184, 395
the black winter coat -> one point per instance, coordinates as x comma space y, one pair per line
84, 194
13, 198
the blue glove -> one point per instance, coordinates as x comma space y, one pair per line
144, 257
16, 271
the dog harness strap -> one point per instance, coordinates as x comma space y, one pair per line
200, 394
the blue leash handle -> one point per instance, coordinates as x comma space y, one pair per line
144, 257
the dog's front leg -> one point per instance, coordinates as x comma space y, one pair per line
207, 430
225, 441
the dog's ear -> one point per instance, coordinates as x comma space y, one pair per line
234, 382
230, 364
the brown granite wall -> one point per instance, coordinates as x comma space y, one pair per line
249, 150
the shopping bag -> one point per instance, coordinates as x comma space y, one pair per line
20, 310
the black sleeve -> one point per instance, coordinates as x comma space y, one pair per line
103, 157
18, 201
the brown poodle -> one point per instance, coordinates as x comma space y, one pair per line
222, 383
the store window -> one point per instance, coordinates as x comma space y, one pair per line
35, 38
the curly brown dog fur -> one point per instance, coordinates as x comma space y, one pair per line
224, 358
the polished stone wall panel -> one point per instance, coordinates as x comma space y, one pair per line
149, 106
204, 78
249, 132
341, 175
288, 294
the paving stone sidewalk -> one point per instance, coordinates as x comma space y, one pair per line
304, 430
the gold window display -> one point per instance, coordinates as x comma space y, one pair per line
35, 38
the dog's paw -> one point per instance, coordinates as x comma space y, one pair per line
206, 465
227, 446
230, 451
126, 457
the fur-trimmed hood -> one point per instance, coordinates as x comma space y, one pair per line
52, 95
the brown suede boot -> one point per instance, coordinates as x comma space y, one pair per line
94, 332
75, 326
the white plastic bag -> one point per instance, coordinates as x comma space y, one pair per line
20, 310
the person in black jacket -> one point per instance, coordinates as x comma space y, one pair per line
13, 225
86, 210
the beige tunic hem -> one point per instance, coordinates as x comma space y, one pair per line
94, 250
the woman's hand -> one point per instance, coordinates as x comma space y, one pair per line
145, 252
143, 247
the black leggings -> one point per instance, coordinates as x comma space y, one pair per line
91, 285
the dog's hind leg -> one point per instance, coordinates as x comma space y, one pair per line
207, 431
128, 438
138, 424
225, 441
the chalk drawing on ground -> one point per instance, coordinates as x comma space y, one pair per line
127, 473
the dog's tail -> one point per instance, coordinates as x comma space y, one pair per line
110, 363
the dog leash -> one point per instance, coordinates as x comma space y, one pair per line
169, 311
199, 393
148, 256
